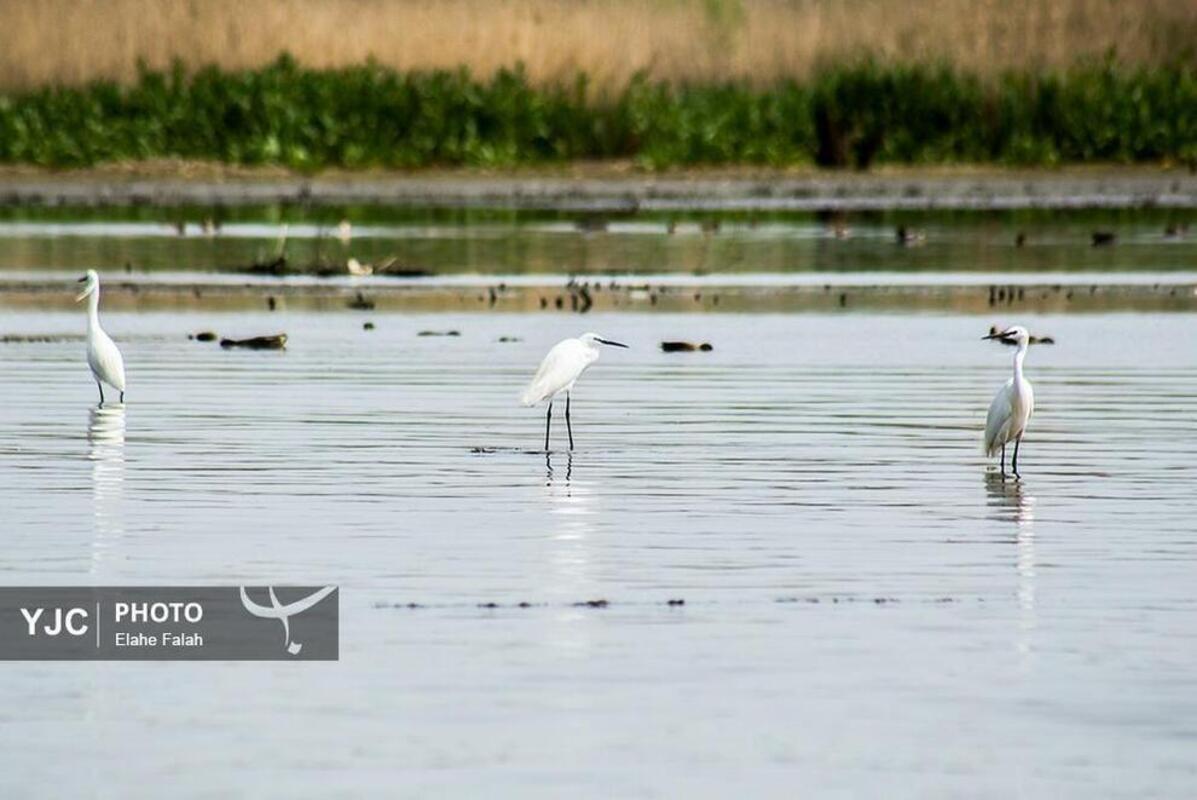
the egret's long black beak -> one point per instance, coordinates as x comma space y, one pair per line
82, 280
999, 335
613, 344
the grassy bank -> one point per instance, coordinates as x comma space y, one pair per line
371, 115
70, 42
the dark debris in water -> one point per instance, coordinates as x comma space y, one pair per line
678, 602
908, 237
487, 451
848, 599
404, 272
439, 333
202, 336
40, 338
281, 267
275, 266
835, 600
277, 342
686, 347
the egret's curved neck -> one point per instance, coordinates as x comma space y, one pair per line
93, 308
1018, 359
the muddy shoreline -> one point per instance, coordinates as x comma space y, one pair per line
581, 297
611, 188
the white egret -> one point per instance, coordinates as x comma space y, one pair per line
558, 373
103, 357
1014, 403
358, 269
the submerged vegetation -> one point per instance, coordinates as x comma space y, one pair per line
851, 115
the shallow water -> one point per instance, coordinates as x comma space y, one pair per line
866, 602
539, 243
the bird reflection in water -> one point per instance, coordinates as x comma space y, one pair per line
1009, 500
106, 451
570, 563
570, 501
569, 468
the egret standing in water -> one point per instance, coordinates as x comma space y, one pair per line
1014, 403
558, 373
103, 357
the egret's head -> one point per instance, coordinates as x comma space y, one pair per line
1015, 334
90, 281
593, 339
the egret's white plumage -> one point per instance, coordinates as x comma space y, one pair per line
560, 369
1014, 403
558, 373
358, 269
103, 356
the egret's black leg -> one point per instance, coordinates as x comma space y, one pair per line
1014, 466
548, 422
100, 386
122, 397
1003, 460
569, 426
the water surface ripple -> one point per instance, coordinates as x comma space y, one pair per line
864, 600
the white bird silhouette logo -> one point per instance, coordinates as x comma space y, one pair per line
277, 610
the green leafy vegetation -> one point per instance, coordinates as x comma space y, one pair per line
851, 115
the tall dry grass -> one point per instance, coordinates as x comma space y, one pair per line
71, 41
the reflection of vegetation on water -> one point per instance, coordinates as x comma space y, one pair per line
417, 241
846, 114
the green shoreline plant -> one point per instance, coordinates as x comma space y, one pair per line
846, 115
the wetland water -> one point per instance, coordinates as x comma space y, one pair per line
488, 242
865, 602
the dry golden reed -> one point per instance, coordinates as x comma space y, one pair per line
71, 41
